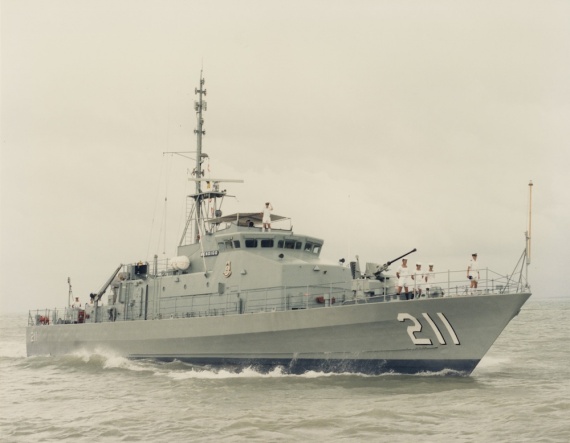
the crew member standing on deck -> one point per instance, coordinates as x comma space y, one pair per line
473, 271
266, 217
402, 274
418, 277
429, 278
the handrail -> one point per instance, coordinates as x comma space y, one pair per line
274, 298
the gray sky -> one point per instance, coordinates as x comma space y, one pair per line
380, 126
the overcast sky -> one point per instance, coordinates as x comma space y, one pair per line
379, 126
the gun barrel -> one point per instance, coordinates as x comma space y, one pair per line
401, 256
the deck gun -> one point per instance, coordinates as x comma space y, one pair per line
380, 269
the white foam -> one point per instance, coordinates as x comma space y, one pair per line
492, 362
247, 373
221, 374
177, 370
109, 360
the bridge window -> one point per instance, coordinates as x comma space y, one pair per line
289, 244
251, 243
226, 244
237, 244
313, 247
267, 243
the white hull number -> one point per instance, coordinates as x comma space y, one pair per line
416, 327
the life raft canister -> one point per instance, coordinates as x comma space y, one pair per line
321, 299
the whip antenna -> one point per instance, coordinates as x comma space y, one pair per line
528, 236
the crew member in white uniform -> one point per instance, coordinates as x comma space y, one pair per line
430, 278
418, 277
266, 217
402, 274
473, 271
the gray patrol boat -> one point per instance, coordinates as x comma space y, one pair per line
238, 295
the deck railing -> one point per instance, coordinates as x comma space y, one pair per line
281, 298
456, 283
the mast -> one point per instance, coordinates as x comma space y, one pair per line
199, 106
198, 215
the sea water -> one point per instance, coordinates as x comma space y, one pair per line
520, 392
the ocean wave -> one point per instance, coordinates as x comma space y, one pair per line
178, 370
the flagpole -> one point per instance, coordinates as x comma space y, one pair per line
529, 219
528, 233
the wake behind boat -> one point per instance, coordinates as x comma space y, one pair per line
246, 290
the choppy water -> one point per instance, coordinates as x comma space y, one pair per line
519, 392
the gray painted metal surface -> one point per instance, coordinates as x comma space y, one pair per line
347, 336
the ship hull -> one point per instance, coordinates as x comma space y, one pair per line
372, 338
328, 365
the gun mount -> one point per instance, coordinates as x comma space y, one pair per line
377, 272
